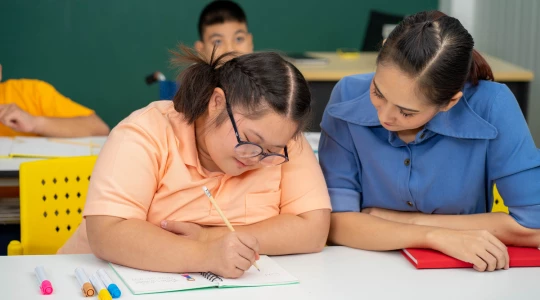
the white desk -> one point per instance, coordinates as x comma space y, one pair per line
336, 273
9, 167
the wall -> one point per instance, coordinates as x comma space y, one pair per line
98, 52
508, 30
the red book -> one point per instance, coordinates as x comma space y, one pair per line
432, 259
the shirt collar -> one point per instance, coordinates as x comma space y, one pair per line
459, 122
186, 141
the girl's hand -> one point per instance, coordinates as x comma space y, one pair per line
231, 255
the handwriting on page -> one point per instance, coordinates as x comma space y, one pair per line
154, 280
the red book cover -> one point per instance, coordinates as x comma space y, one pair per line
432, 259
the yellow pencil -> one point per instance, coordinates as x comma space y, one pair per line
207, 192
90, 144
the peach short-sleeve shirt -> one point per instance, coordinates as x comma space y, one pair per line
149, 170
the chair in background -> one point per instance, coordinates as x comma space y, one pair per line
374, 32
52, 197
498, 203
167, 89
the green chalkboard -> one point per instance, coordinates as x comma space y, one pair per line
98, 52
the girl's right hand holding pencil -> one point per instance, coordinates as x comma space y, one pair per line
232, 254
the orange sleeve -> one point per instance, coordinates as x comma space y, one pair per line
54, 104
303, 187
127, 173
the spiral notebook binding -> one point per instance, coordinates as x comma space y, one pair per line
211, 276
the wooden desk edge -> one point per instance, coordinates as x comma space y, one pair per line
318, 73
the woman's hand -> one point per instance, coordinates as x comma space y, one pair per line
478, 247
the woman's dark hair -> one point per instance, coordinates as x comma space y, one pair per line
437, 51
257, 83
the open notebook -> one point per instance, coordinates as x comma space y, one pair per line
6, 143
40, 147
146, 282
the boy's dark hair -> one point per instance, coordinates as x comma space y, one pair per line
257, 83
219, 12
438, 52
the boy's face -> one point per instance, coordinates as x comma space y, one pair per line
228, 36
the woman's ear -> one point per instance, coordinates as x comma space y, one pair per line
216, 105
453, 101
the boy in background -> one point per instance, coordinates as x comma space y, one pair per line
223, 24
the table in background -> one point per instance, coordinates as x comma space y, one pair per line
322, 78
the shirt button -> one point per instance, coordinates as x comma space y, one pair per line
407, 162
409, 203
423, 135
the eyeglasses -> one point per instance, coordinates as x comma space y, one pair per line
249, 150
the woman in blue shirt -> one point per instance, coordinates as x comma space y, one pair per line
411, 152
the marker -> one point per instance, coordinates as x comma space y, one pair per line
103, 294
113, 288
44, 284
86, 287
188, 278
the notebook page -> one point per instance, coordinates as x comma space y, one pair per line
271, 274
6, 144
43, 147
147, 282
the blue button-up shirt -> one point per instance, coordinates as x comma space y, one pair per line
449, 168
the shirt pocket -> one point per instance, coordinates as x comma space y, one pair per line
262, 206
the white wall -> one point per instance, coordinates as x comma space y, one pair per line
508, 29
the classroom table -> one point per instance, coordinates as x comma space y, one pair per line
322, 78
9, 167
335, 273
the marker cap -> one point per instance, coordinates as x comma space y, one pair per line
46, 287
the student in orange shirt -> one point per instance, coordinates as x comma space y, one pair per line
33, 107
235, 127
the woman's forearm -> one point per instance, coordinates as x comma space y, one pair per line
363, 231
501, 225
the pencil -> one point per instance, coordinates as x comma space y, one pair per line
90, 144
207, 192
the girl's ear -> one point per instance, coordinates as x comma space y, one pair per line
216, 105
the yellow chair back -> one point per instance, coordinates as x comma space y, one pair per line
498, 203
52, 195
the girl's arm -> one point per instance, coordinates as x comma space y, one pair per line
139, 244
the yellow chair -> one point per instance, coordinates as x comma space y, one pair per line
498, 203
52, 195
